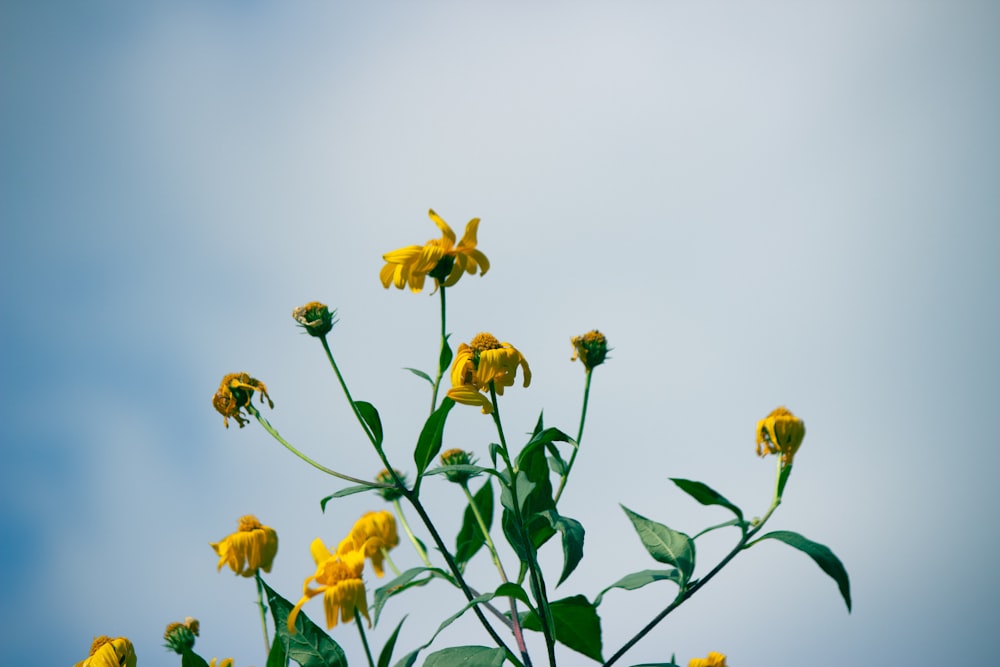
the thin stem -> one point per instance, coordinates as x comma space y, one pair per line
686, 593
444, 343
263, 613
537, 584
515, 619
277, 436
409, 533
579, 436
364, 637
347, 393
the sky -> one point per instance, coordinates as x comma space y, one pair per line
760, 204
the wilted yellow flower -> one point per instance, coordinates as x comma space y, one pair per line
180, 636
228, 662
713, 660
316, 318
251, 547
372, 533
780, 432
234, 394
591, 348
439, 258
108, 652
338, 578
483, 361
458, 457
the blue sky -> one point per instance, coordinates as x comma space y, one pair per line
766, 204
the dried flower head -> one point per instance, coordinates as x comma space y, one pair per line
108, 652
591, 348
440, 259
485, 361
780, 432
235, 393
316, 318
252, 547
458, 457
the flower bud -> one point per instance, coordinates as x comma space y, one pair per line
591, 348
315, 318
458, 457
385, 477
780, 432
180, 636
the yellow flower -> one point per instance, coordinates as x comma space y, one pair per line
485, 360
228, 662
713, 660
439, 258
316, 318
180, 636
780, 432
234, 394
591, 348
108, 652
371, 534
251, 547
339, 580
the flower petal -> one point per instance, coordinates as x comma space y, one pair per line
442, 225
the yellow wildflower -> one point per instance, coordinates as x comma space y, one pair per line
108, 652
484, 361
439, 258
228, 662
251, 547
373, 534
180, 636
339, 580
780, 432
591, 348
316, 318
713, 660
234, 394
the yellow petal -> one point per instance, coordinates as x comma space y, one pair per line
442, 225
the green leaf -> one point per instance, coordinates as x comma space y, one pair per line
370, 416
541, 439
429, 443
348, 491
665, 544
470, 537
826, 559
309, 646
277, 656
577, 625
420, 374
446, 355
468, 656
386, 655
706, 495
631, 582
403, 582
572, 541
191, 659
470, 468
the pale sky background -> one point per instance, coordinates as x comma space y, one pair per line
760, 203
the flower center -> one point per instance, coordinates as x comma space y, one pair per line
485, 341
98, 643
249, 523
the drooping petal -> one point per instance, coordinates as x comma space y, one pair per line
443, 226
469, 238
469, 395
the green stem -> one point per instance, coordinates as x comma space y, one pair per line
536, 581
347, 393
579, 436
687, 592
444, 343
409, 533
515, 619
277, 436
364, 637
263, 613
